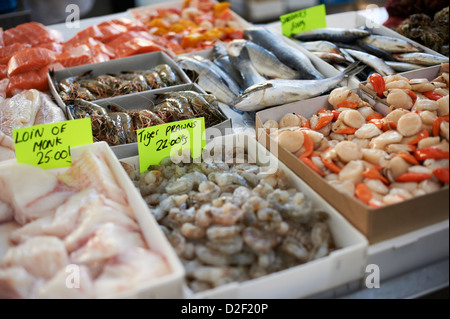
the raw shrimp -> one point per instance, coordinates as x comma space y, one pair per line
229, 246
224, 179
227, 215
149, 182
257, 240
207, 191
190, 230
296, 249
221, 232
211, 257
186, 183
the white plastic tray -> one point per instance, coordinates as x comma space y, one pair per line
341, 266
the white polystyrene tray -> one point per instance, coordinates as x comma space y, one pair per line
341, 266
168, 286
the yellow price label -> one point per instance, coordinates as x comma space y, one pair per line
48, 145
167, 140
303, 20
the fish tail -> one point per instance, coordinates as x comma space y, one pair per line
354, 69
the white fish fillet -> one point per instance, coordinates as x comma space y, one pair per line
16, 282
19, 111
31, 191
48, 111
129, 270
94, 216
6, 212
57, 288
92, 171
6, 147
41, 256
109, 240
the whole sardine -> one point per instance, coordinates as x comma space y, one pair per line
221, 58
240, 58
368, 48
420, 58
208, 79
320, 46
390, 44
293, 58
403, 66
267, 63
279, 91
376, 63
332, 34
330, 57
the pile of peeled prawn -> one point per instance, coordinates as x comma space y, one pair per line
231, 222
381, 160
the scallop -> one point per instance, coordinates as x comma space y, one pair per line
395, 115
352, 172
353, 118
442, 109
271, 124
376, 186
421, 85
368, 130
427, 117
398, 98
289, 120
426, 105
346, 186
291, 140
375, 156
428, 141
388, 137
342, 94
348, 151
444, 130
399, 84
366, 111
409, 124
397, 166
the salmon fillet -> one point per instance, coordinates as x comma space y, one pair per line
8, 51
30, 59
30, 32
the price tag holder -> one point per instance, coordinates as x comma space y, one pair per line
166, 140
303, 20
48, 145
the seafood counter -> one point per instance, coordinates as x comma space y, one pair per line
251, 221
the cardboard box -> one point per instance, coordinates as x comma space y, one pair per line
169, 286
343, 265
143, 100
376, 224
137, 62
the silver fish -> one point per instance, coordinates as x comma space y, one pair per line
320, 46
208, 79
280, 91
267, 63
330, 57
420, 58
403, 66
376, 63
332, 34
390, 44
293, 58
221, 58
231, 84
240, 58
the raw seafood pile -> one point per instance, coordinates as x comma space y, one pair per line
232, 222
79, 219
28, 108
30, 50
27, 52
259, 72
89, 87
195, 25
431, 32
382, 54
116, 125
380, 160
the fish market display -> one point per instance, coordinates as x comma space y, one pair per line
429, 31
6, 148
381, 160
192, 26
28, 108
279, 91
382, 54
78, 218
89, 87
116, 125
231, 222
239, 65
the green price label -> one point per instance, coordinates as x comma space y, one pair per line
303, 20
167, 140
48, 145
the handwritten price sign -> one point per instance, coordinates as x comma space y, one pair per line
166, 140
303, 20
48, 145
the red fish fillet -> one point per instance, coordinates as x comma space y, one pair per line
31, 59
3, 71
30, 32
7, 52
31, 80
